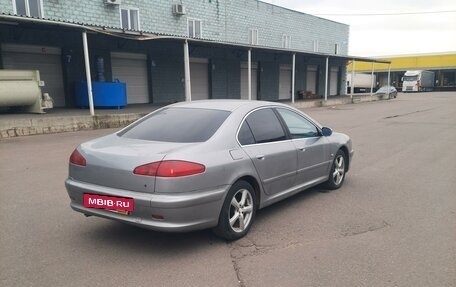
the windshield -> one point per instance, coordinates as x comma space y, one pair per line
411, 78
180, 125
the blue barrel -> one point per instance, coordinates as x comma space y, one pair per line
105, 95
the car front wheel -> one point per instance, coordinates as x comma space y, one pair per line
337, 173
238, 212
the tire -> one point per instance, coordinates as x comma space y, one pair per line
337, 172
238, 212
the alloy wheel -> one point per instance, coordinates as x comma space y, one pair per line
240, 211
339, 169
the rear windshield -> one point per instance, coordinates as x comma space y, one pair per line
181, 125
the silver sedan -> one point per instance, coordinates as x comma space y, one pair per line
388, 92
205, 164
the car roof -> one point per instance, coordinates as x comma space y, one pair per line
226, 105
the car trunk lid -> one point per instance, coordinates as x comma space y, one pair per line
110, 162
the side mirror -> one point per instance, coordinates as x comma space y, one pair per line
326, 131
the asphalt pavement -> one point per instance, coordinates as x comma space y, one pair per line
393, 223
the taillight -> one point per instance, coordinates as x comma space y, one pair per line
147, 169
176, 168
170, 168
77, 158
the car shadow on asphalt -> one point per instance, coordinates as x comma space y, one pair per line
117, 235
291, 202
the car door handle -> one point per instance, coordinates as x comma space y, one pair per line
260, 157
302, 148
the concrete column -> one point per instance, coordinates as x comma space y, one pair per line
249, 73
389, 75
326, 79
188, 84
88, 76
293, 76
372, 80
352, 84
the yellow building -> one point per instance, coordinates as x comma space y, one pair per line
443, 64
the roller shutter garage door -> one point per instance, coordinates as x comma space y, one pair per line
333, 81
45, 59
245, 81
311, 79
199, 77
131, 69
285, 82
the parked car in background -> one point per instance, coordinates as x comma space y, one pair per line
205, 164
387, 91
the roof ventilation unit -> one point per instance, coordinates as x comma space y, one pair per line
113, 2
178, 9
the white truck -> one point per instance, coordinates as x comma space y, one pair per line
418, 81
363, 82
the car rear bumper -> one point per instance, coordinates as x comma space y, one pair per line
180, 211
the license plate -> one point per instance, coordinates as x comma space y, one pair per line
117, 204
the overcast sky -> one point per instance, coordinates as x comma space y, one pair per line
387, 34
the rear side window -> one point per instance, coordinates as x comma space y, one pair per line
265, 126
181, 125
245, 136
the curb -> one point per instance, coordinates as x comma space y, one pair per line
49, 125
